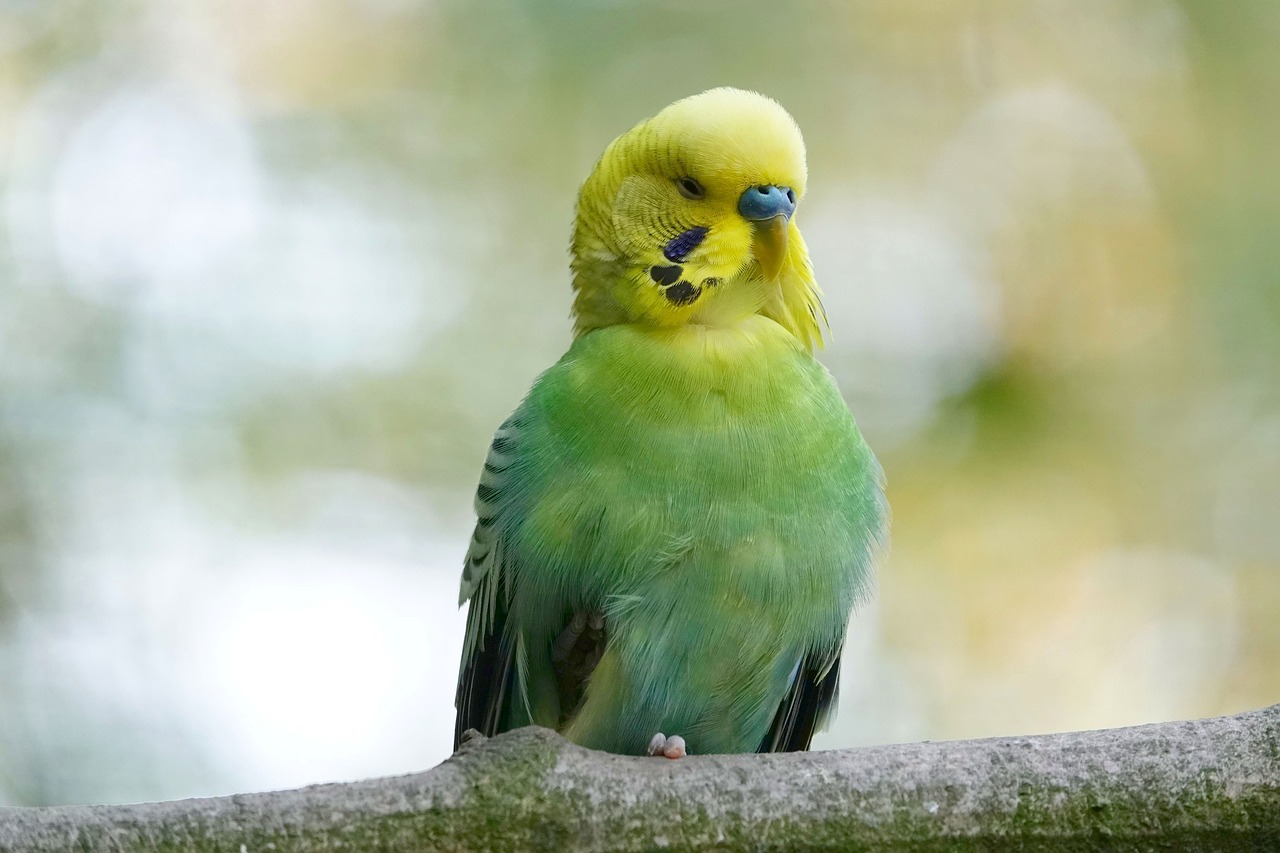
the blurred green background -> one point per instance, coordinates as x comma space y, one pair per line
272, 273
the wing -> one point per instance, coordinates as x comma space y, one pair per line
807, 705
487, 678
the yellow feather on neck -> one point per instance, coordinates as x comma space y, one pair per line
797, 302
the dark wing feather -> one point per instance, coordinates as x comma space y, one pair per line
487, 677
806, 706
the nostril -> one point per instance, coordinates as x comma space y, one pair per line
765, 201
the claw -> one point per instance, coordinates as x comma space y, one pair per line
668, 747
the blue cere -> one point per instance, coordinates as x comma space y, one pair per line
760, 203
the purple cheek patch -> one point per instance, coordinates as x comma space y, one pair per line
679, 246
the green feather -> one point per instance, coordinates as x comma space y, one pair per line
706, 489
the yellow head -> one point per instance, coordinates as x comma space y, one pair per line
689, 217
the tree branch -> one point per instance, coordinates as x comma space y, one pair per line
1187, 785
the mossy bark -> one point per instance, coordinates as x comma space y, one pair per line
1208, 784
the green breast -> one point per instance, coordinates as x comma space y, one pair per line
709, 490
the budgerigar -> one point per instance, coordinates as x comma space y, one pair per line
677, 521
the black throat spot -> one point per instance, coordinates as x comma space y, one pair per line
682, 293
666, 275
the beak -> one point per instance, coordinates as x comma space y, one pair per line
768, 208
769, 244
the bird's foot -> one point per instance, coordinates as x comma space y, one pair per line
669, 747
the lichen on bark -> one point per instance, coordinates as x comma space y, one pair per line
1207, 784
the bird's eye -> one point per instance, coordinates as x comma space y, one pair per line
690, 189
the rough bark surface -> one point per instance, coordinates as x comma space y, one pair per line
1199, 785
